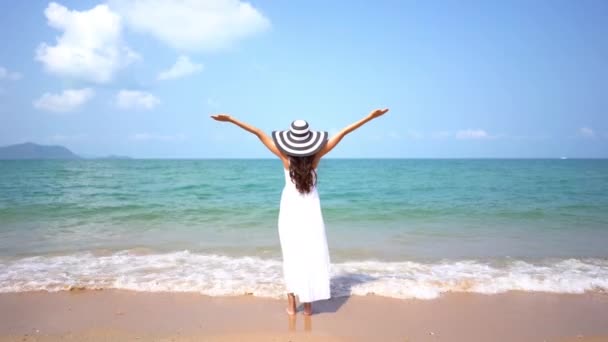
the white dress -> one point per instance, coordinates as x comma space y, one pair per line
303, 243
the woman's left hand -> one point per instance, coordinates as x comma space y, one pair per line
221, 117
378, 113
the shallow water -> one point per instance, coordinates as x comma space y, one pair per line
402, 228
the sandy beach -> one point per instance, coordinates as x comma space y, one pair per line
118, 315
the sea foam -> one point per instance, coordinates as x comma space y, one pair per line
218, 275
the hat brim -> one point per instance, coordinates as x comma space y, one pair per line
292, 147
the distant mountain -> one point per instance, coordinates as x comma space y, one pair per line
30, 150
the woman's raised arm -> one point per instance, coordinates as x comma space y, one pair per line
265, 139
333, 141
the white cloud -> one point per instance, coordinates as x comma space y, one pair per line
472, 134
156, 137
182, 67
193, 24
90, 47
6, 74
586, 132
135, 99
67, 101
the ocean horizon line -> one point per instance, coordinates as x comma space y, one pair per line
326, 158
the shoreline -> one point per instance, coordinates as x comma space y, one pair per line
123, 315
139, 270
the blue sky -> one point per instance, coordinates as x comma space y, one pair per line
462, 78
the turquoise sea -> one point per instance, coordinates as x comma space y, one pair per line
396, 227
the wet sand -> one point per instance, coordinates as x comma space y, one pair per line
118, 315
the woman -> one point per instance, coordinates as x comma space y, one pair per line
301, 225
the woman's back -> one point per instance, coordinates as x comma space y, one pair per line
303, 242
291, 184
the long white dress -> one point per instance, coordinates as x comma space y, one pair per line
303, 243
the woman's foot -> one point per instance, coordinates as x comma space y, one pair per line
307, 309
291, 304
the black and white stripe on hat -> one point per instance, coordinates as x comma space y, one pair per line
299, 140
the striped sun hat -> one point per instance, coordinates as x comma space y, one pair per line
299, 140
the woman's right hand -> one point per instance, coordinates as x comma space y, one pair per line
221, 117
377, 113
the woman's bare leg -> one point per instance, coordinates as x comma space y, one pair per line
291, 304
307, 309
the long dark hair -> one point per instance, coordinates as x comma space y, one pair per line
302, 173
